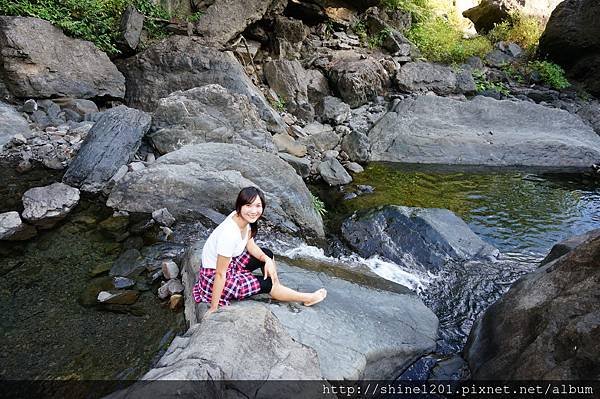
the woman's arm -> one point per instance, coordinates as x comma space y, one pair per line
255, 250
270, 269
219, 282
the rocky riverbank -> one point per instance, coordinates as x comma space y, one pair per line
276, 95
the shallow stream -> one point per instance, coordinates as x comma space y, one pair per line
47, 333
523, 213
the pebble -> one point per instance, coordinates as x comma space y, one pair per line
170, 269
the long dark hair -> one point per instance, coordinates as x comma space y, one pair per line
247, 196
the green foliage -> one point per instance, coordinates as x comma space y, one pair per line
513, 72
520, 29
279, 104
318, 205
418, 9
439, 41
95, 20
377, 40
360, 30
483, 84
195, 17
552, 75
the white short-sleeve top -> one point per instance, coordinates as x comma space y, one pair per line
225, 240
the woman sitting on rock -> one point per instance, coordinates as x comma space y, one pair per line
230, 255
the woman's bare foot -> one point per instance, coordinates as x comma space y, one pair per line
318, 296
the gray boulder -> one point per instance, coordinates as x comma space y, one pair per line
332, 171
132, 23
181, 63
286, 78
288, 36
55, 66
357, 331
210, 361
322, 141
225, 19
483, 131
358, 81
300, 165
12, 227
490, 12
357, 146
415, 237
11, 124
546, 326
111, 143
423, 77
45, 206
196, 177
209, 113
317, 86
572, 39
332, 110
289, 81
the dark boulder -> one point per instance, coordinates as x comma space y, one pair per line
110, 144
572, 40
414, 237
547, 325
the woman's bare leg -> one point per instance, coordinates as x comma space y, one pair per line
285, 294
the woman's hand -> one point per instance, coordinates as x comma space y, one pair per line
271, 270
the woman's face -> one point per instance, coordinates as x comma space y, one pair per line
251, 212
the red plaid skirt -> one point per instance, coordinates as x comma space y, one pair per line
239, 282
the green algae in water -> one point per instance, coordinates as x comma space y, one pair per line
512, 209
48, 334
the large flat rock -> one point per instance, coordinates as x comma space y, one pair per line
366, 328
210, 175
483, 131
358, 332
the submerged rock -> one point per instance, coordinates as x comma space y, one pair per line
12, 227
424, 238
546, 326
483, 131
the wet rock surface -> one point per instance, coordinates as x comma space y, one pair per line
425, 238
545, 326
